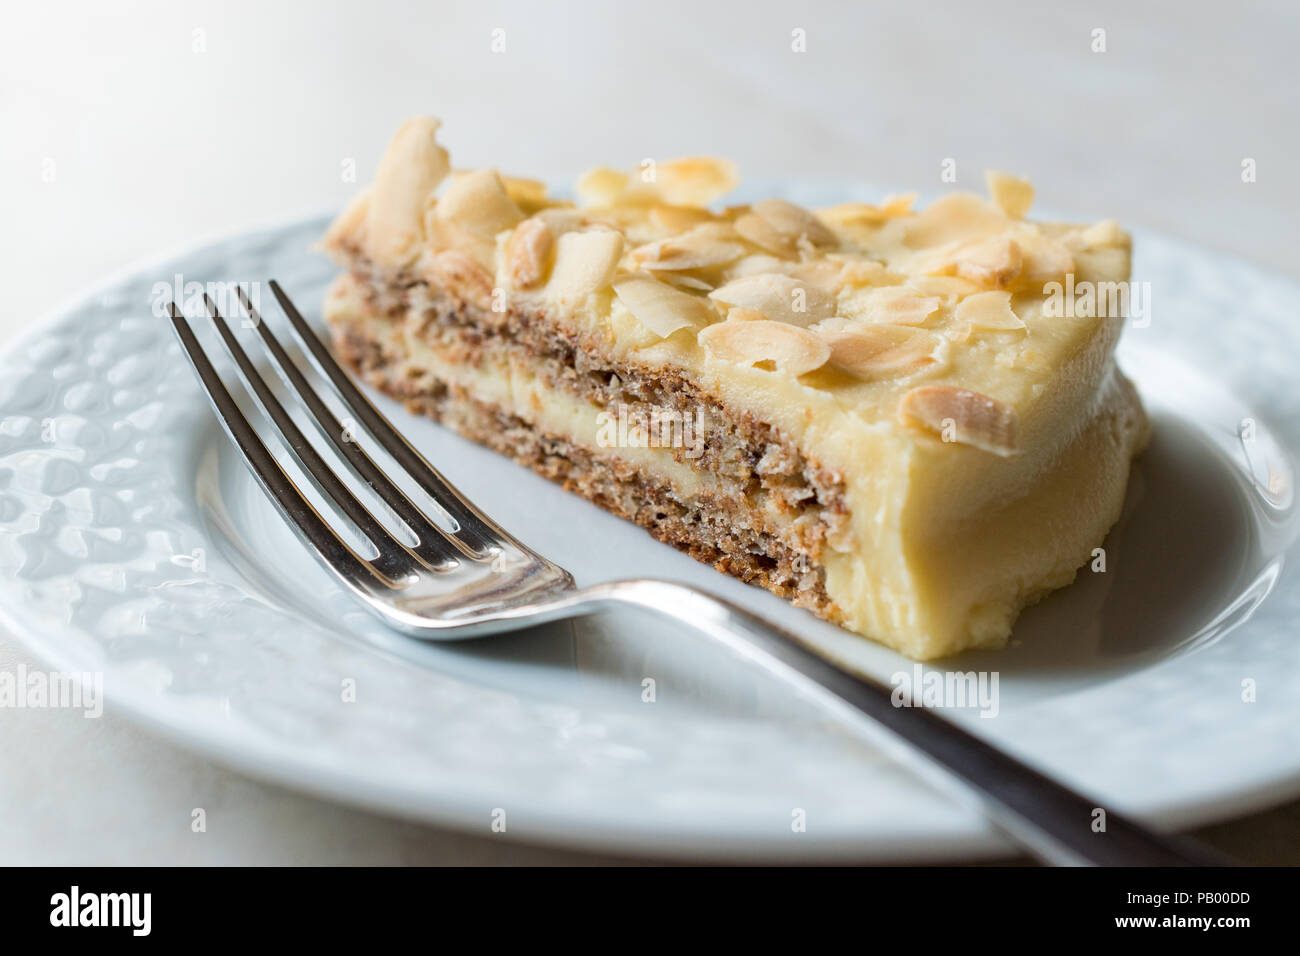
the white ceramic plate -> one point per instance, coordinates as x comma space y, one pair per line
114, 476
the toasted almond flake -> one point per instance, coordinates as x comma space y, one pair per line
1011, 194
659, 307
759, 263
947, 288
560, 221
619, 217
739, 314
865, 214
601, 187
960, 415
898, 204
683, 281
585, 262
530, 195
1044, 259
411, 169
897, 305
528, 253
477, 202
677, 256
676, 219
1105, 233
349, 228
791, 349
988, 262
819, 272
795, 221
781, 298
754, 228
988, 310
689, 181
807, 250
959, 217
704, 247
851, 214
695, 180
856, 271
873, 350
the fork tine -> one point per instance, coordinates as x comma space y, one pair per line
286, 497
436, 547
394, 561
474, 528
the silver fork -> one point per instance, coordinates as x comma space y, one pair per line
471, 579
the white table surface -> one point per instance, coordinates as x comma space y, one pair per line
131, 127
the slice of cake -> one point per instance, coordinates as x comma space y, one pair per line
908, 422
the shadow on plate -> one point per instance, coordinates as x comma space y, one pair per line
1183, 567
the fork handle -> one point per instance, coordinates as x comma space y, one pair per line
1052, 822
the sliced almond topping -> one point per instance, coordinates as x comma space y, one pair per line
683, 281
795, 221
704, 247
601, 187
690, 181
791, 349
781, 298
850, 214
872, 350
659, 307
700, 253
560, 221
1043, 259
988, 310
528, 253
959, 217
897, 305
899, 204
739, 314
530, 195
349, 228
947, 288
988, 262
1105, 233
478, 203
675, 219
856, 271
585, 262
754, 228
1011, 194
864, 214
695, 180
960, 415
821, 272
411, 169
759, 263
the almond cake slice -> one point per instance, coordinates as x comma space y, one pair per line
881, 414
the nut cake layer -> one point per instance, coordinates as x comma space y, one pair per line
763, 517
899, 431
